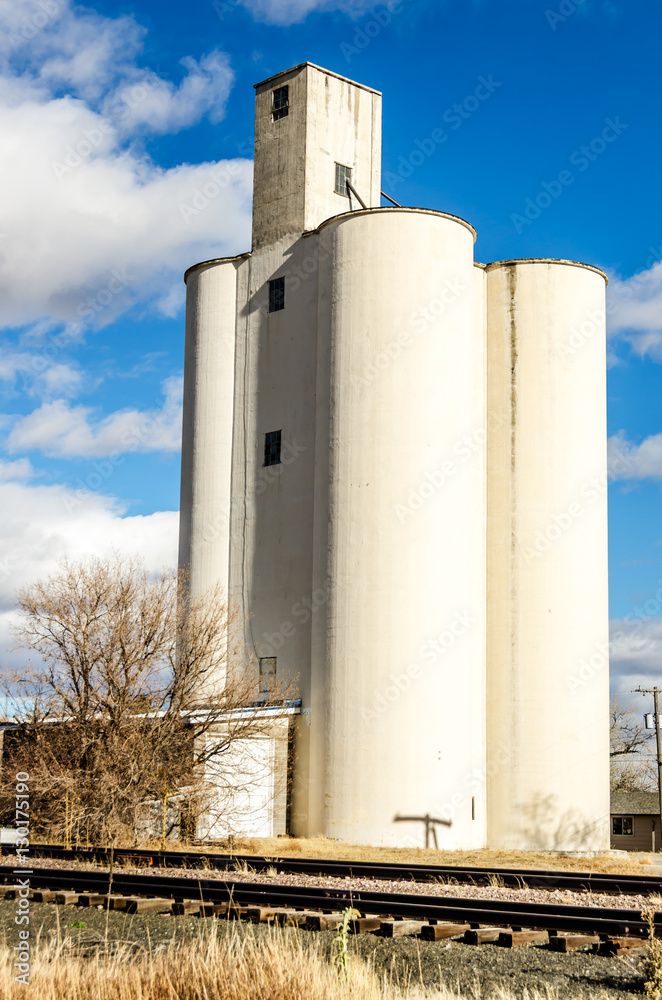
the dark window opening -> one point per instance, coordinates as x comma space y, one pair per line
622, 826
272, 447
276, 295
281, 105
343, 174
267, 673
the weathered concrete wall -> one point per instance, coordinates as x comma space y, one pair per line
404, 656
330, 120
204, 541
548, 756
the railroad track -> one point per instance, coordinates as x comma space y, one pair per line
510, 877
615, 928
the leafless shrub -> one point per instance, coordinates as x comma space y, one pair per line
134, 707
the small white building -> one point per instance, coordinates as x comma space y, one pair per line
394, 461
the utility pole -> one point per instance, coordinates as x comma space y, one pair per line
656, 719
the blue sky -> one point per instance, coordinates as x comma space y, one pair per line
112, 116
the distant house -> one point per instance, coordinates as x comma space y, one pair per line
635, 822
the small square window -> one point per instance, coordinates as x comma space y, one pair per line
281, 105
276, 295
268, 666
622, 826
343, 174
272, 447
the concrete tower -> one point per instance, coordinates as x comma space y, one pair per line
376, 430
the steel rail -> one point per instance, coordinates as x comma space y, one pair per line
580, 919
510, 877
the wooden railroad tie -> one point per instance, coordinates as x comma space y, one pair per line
482, 935
441, 932
614, 947
324, 921
137, 904
316, 920
67, 898
401, 928
572, 942
512, 939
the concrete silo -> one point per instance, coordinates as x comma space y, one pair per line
548, 751
378, 431
401, 520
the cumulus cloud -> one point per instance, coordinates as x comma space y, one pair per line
93, 224
19, 470
42, 525
157, 106
60, 430
634, 310
635, 461
636, 648
31, 372
294, 11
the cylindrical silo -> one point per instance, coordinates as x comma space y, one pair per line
402, 684
204, 533
547, 629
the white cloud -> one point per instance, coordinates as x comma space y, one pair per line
636, 649
152, 104
64, 431
99, 223
294, 11
42, 525
36, 374
18, 470
635, 461
634, 310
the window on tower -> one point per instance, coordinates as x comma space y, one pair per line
343, 174
272, 447
281, 105
276, 295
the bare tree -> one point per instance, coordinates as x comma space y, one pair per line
138, 700
631, 749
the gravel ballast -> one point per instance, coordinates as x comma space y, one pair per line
445, 887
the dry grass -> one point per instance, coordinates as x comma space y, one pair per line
220, 966
320, 847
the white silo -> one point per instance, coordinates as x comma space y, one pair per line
547, 748
390, 459
403, 660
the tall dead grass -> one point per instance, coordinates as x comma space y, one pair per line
218, 966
